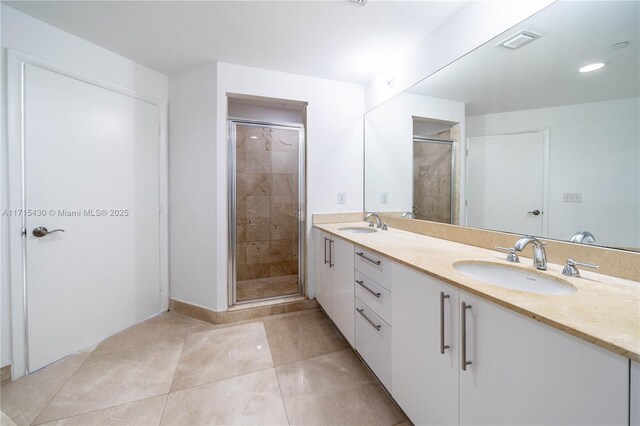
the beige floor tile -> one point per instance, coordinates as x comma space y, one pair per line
252, 399
24, 399
302, 336
145, 412
6, 420
168, 324
223, 353
111, 377
334, 389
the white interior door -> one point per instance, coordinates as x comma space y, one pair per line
506, 183
92, 153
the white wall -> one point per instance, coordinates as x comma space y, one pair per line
35, 38
594, 150
334, 145
198, 165
192, 186
389, 147
475, 24
274, 114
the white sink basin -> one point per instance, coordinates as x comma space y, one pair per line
358, 229
514, 278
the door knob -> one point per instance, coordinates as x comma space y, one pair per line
41, 231
535, 212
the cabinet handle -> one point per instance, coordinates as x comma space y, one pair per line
368, 289
331, 264
463, 324
325, 251
373, 324
361, 254
442, 345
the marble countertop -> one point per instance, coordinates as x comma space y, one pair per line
604, 310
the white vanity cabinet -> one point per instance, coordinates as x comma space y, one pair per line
335, 281
521, 371
635, 394
424, 370
373, 300
525, 372
323, 269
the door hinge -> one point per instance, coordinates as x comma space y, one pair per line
467, 152
24, 232
159, 129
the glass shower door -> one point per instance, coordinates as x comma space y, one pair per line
266, 212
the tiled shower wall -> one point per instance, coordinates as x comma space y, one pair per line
266, 202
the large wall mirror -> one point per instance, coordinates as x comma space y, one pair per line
518, 136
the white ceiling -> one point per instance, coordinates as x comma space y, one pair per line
544, 72
328, 39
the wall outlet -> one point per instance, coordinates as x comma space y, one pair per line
342, 198
572, 197
384, 198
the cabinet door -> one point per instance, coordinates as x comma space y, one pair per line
635, 394
342, 287
373, 342
425, 381
525, 372
323, 273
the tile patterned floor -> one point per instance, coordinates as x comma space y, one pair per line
266, 287
173, 370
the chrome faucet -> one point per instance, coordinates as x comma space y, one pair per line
582, 237
539, 255
376, 217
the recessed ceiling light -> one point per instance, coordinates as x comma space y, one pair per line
591, 67
253, 137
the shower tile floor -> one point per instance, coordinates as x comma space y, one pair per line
174, 370
266, 287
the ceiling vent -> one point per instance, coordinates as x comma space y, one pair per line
519, 39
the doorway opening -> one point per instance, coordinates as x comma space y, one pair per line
266, 199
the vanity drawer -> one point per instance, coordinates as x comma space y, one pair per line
374, 267
376, 297
373, 342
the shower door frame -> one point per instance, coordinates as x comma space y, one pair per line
232, 124
440, 141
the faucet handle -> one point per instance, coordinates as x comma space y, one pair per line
571, 271
512, 256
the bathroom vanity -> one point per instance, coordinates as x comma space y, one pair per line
452, 349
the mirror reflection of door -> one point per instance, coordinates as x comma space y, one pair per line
432, 179
509, 194
435, 187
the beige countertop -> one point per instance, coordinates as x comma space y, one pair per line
604, 310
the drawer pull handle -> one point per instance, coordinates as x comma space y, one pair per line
368, 289
442, 345
361, 254
325, 251
373, 324
331, 264
463, 314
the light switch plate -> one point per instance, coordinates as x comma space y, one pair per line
572, 197
384, 198
342, 198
